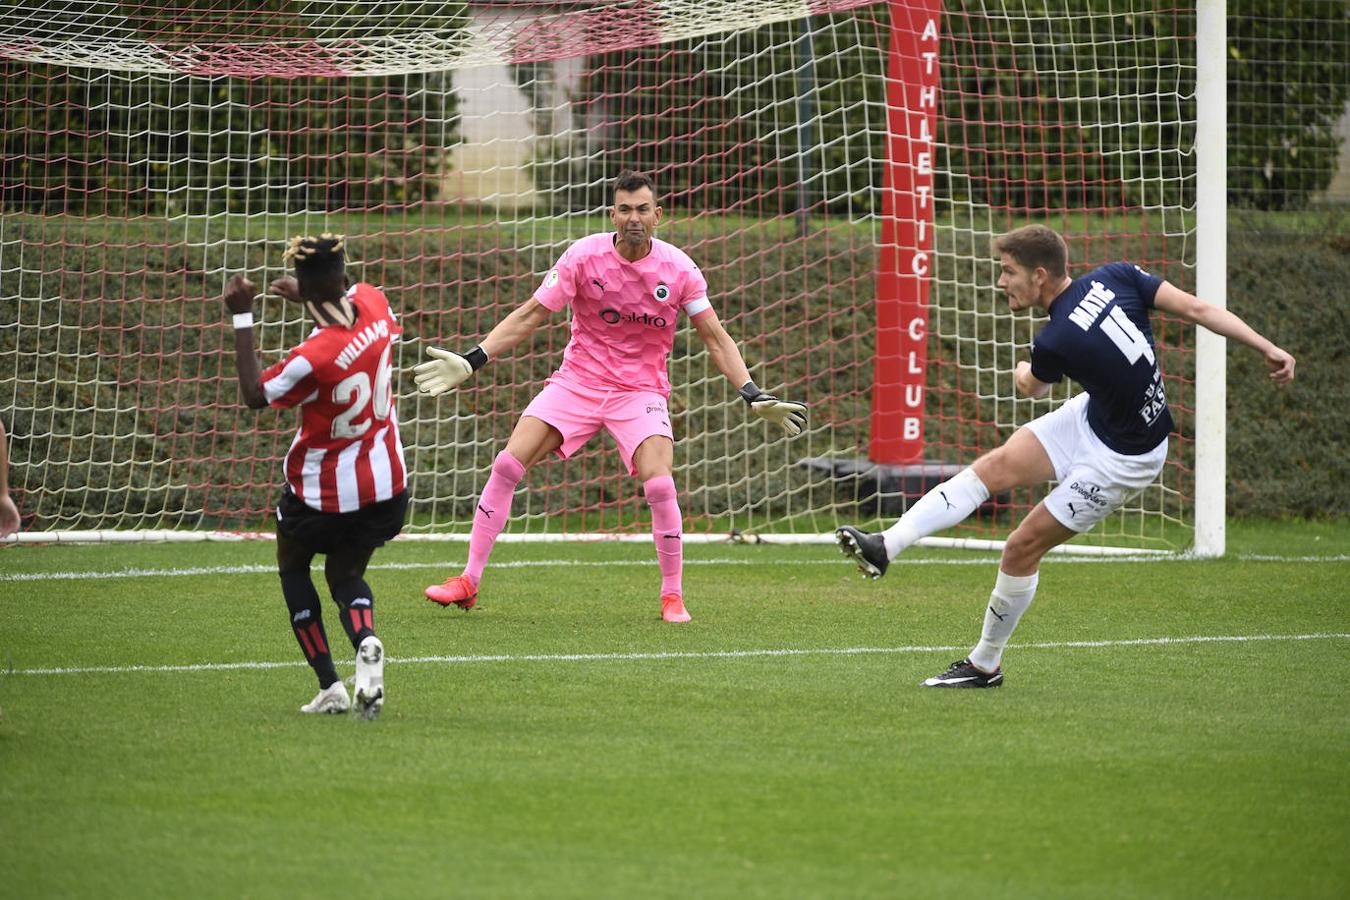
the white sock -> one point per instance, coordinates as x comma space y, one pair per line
1011, 597
946, 505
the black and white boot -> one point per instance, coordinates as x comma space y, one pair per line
963, 674
867, 550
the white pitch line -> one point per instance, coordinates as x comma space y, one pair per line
454, 565
1264, 557
449, 565
712, 654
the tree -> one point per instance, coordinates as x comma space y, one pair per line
1288, 85
1040, 111
95, 141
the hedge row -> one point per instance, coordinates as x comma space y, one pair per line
118, 384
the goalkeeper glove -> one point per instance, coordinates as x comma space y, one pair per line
792, 416
446, 369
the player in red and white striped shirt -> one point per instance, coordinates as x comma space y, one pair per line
347, 453
345, 492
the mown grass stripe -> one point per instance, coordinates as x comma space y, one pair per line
455, 565
691, 655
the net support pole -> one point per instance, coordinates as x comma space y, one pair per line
808, 137
1211, 265
905, 258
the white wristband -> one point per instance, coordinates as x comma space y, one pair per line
243, 320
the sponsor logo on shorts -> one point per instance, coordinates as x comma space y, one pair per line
612, 316
655, 408
1091, 493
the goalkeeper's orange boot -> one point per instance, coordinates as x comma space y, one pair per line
672, 608
457, 589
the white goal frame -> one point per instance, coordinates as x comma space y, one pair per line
1210, 424
1211, 262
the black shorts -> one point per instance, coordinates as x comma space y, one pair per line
365, 528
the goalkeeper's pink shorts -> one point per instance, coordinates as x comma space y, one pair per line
578, 412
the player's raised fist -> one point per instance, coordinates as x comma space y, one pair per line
287, 288
1280, 364
239, 293
786, 413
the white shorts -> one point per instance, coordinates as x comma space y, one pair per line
1094, 480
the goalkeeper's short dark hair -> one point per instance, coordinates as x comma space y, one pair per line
320, 265
630, 180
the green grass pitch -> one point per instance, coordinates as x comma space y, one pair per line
561, 741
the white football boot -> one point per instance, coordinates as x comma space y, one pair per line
369, 679
332, 699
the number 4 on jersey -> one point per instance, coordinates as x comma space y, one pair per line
1125, 335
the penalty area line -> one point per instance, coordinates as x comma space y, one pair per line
692, 655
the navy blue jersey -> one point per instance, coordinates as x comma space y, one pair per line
1099, 335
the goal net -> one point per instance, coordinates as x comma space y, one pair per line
812, 157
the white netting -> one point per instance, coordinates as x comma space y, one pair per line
370, 37
150, 156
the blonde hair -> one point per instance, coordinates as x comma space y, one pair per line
304, 248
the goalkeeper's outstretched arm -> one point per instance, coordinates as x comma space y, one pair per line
726, 356
447, 369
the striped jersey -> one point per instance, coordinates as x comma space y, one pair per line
347, 453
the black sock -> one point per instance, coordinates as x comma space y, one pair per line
358, 609
303, 602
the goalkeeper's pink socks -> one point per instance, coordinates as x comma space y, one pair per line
667, 531
494, 508
948, 504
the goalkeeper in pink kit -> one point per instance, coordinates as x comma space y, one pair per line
626, 289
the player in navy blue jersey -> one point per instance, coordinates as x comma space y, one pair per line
1103, 446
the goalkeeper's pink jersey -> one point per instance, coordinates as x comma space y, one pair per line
624, 313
